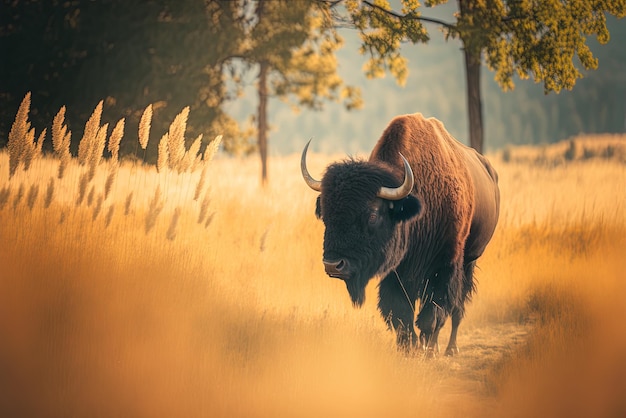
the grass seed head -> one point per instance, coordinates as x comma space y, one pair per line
171, 231
212, 148
32, 195
88, 143
108, 185
97, 207
209, 219
127, 203
176, 141
18, 135
156, 206
29, 149
18, 197
191, 155
115, 139
5, 193
63, 163
61, 139
90, 196
204, 208
96, 151
40, 139
83, 181
109, 216
59, 130
49, 193
144, 127
163, 159
200, 184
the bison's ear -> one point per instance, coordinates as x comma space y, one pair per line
405, 209
318, 209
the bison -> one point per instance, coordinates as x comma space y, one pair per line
417, 214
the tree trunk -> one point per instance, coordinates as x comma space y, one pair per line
262, 120
474, 103
472, 52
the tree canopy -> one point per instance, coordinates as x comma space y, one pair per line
535, 39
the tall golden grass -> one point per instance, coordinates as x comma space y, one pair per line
155, 299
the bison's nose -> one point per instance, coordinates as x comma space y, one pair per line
336, 268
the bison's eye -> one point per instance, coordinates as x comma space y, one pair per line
373, 218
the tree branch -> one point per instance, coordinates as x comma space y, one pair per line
397, 15
331, 3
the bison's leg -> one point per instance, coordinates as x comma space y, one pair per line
442, 294
452, 348
459, 312
397, 309
431, 318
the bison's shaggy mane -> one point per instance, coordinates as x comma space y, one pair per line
355, 180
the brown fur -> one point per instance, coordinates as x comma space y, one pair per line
451, 180
442, 180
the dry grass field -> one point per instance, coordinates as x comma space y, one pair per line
162, 298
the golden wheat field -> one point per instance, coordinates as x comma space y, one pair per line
203, 295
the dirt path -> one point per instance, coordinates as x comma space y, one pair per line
485, 347
465, 384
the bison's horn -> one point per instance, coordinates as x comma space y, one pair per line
404, 190
313, 184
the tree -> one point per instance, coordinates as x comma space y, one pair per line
527, 38
291, 45
169, 53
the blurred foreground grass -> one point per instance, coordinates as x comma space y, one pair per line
233, 316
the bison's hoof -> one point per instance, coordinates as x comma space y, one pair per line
431, 352
452, 351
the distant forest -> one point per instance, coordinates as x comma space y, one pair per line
597, 104
164, 53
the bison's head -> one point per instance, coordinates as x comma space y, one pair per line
364, 209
